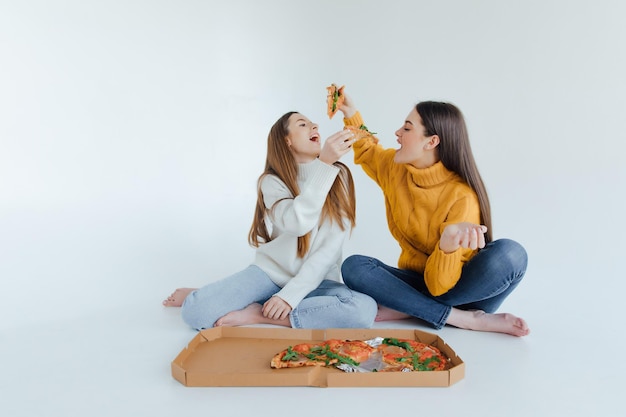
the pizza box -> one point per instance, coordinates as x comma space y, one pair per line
240, 356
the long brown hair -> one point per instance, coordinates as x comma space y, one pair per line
446, 121
340, 202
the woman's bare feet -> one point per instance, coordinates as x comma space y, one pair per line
386, 313
177, 297
251, 314
486, 322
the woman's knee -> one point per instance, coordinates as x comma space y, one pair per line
515, 253
195, 314
352, 268
369, 309
362, 310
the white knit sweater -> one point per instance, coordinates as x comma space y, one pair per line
291, 217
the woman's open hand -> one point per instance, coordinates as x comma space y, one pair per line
462, 235
336, 146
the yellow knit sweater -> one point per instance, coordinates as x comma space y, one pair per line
419, 204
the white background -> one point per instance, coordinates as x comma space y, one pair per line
132, 134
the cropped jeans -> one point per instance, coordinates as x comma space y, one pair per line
486, 280
331, 305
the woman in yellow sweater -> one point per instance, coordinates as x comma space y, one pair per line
450, 271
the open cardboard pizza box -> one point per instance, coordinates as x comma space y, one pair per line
240, 356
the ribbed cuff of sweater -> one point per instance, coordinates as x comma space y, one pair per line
446, 273
319, 174
355, 120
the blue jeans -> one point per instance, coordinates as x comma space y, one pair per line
331, 305
486, 280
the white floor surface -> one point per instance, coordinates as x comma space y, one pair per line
118, 364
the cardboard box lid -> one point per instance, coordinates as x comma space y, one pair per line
240, 356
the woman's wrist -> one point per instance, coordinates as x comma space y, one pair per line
349, 112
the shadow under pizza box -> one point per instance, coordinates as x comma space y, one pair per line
240, 356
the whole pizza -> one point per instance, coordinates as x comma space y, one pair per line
376, 355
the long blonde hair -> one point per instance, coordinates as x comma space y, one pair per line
340, 202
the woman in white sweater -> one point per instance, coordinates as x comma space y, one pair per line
305, 210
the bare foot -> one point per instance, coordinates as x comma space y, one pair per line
386, 313
177, 297
486, 322
249, 315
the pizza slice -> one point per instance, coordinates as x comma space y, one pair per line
360, 132
334, 99
329, 352
406, 354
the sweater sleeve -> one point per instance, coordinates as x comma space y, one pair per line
298, 215
443, 270
324, 255
373, 158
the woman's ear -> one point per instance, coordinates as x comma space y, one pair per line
432, 143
